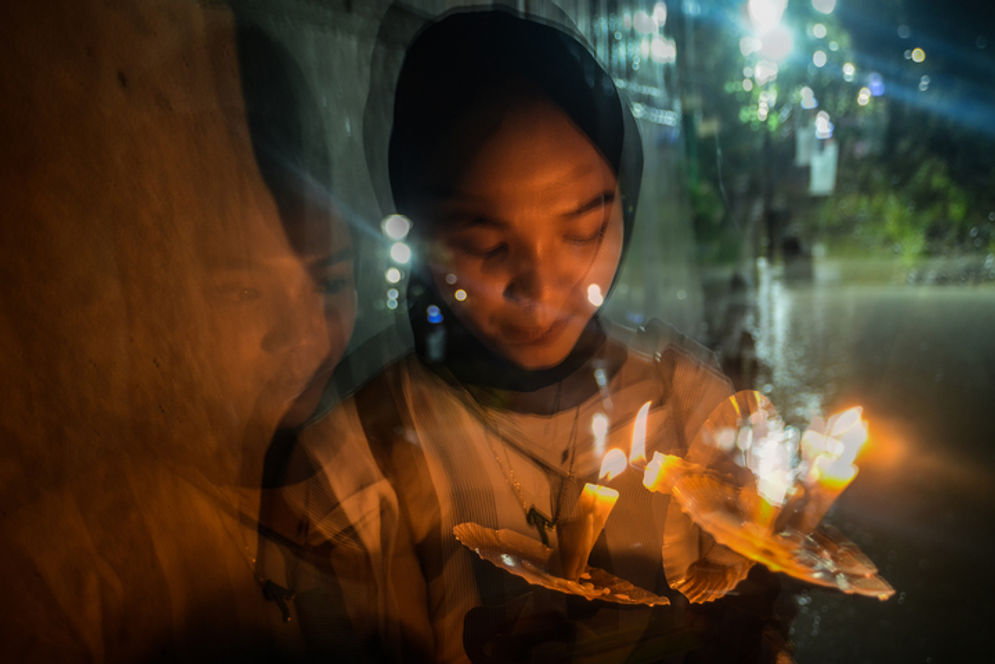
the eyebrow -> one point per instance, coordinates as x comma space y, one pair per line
606, 197
342, 256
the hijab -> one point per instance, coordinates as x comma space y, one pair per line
455, 65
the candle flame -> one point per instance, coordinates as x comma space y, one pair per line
613, 464
637, 454
835, 467
850, 429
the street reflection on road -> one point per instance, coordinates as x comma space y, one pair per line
921, 360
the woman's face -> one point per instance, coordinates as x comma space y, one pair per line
526, 235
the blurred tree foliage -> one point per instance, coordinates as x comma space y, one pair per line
916, 171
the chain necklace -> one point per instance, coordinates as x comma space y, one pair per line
534, 517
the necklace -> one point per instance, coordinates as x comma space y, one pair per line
534, 516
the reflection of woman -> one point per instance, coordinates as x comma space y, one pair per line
175, 323
518, 163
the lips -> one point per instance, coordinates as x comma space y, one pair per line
519, 335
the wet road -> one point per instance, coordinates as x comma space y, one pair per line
921, 360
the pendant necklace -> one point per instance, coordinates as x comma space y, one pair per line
534, 516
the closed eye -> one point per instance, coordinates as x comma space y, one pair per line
604, 199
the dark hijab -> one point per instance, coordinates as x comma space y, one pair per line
454, 67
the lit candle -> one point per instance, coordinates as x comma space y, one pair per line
832, 468
577, 534
659, 473
637, 453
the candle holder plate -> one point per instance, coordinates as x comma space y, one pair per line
824, 557
530, 560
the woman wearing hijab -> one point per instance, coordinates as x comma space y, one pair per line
518, 164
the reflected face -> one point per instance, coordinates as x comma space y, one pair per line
269, 332
329, 263
526, 235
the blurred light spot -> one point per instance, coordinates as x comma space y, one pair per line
392, 293
396, 226
777, 43
819, 58
918, 55
824, 6
643, 22
508, 560
460, 295
682, 294
904, 31
600, 378
663, 50
392, 304
433, 314
923, 83
749, 44
818, 30
599, 427
594, 295
400, 252
808, 101
392, 275
823, 126
908, 54
747, 84
849, 71
834, 46
765, 14
875, 83
766, 71
747, 72
660, 14
864, 96
450, 278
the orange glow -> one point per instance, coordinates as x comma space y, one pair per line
613, 464
637, 454
850, 429
658, 471
599, 497
836, 468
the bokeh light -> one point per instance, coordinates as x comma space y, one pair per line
400, 253
396, 226
824, 6
594, 295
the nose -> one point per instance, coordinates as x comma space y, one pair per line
297, 324
532, 278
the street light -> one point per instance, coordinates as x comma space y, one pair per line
766, 14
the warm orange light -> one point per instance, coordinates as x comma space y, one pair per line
836, 469
577, 533
658, 471
850, 429
613, 464
637, 454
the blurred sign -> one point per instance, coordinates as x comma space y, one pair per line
822, 171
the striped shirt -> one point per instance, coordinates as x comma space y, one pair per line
452, 454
